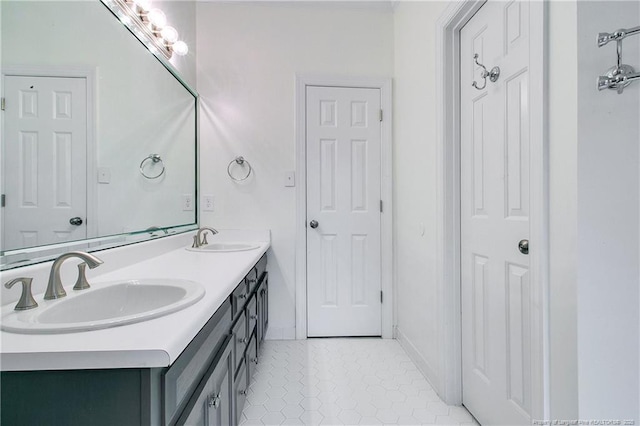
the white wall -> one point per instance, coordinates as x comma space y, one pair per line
414, 182
608, 227
248, 56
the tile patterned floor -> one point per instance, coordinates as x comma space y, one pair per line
343, 382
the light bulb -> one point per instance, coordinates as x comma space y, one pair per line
180, 47
157, 18
143, 4
169, 34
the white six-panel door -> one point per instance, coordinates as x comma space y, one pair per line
45, 160
496, 292
343, 139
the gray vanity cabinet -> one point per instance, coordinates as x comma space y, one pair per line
206, 385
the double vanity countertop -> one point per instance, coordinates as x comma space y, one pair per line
153, 343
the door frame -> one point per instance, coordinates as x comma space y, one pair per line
448, 27
89, 74
386, 224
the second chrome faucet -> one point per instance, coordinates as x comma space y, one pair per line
197, 242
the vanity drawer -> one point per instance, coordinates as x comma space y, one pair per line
252, 279
240, 387
180, 380
239, 297
240, 340
252, 314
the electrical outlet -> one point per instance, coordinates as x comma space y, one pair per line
187, 202
207, 203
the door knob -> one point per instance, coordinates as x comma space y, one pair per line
523, 246
313, 224
75, 221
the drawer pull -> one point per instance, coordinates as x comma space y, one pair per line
243, 340
214, 401
242, 392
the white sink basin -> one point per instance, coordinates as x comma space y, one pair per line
225, 247
104, 305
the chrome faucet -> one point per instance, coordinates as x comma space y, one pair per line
54, 288
197, 242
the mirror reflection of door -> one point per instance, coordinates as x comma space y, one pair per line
45, 157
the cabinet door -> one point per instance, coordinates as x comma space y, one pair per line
252, 314
210, 404
265, 306
252, 357
260, 324
240, 391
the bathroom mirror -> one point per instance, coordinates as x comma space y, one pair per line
98, 135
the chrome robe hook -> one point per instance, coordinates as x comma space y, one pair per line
493, 74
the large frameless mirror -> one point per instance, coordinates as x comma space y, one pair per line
98, 136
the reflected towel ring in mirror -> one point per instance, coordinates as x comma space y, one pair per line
154, 158
241, 162
493, 74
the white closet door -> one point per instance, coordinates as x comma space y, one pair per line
343, 197
496, 292
45, 160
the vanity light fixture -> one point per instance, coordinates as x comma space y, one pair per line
149, 25
145, 5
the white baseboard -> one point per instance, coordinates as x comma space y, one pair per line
281, 333
420, 361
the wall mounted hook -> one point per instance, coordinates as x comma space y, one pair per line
493, 74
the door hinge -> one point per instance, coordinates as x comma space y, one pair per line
380, 115
381, 298
2, 104
380, 206
2, 200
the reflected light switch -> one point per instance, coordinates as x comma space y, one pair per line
104, 175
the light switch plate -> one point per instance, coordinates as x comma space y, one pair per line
104, 175
290, 178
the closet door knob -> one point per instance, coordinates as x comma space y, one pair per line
75, 221
313, 224
523, 246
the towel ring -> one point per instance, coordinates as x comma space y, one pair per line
240, 161
155, 158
